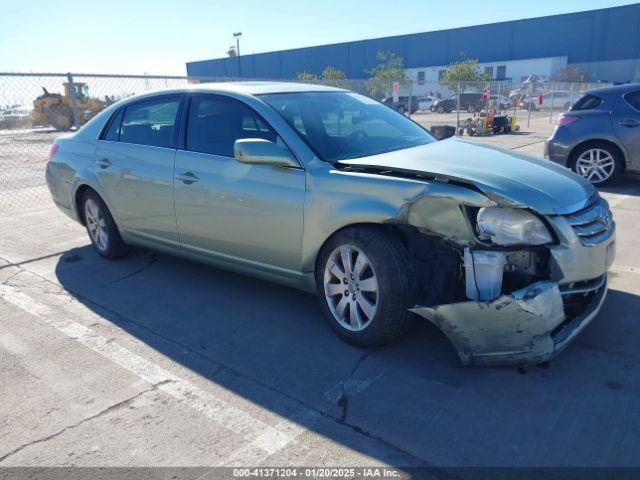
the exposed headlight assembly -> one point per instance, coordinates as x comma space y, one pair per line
511, 226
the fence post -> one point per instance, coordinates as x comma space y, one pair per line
410, 96
499, 102
457, 107
74, 101
530, 103
551, 107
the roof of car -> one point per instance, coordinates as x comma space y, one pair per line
262, 87
616, 89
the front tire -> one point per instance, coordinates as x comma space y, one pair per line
101, 227
366, 284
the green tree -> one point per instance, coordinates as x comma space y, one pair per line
389, 70
307, 77
332, 76
329, 76
464, 71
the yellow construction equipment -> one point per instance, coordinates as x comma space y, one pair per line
57, 110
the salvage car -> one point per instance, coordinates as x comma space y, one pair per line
332, 192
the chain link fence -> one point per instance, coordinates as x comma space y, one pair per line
36, 108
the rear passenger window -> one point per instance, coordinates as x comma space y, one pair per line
633, 99
113, 131
215, 123
586, 102
150, 122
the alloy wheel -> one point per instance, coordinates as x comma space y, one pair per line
596, 165
96, 225
351, 288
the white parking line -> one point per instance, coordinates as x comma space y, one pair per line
623, 269
615, 199
266, 439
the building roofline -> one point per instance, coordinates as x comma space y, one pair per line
454, 29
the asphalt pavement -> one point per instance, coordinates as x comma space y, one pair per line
154, 360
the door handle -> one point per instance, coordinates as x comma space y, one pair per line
103, 163
629, 122
187, 178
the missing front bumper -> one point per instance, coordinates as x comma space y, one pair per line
527, 326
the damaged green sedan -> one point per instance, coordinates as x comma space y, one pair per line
329, 191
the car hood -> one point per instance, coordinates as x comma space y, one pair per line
527, 181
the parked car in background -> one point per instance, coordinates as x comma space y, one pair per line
500, 101
559, 100
599, 137
16, 117
402, 105
425, 103
331, 192
471, 102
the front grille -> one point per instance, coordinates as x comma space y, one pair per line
593, 224
583, 287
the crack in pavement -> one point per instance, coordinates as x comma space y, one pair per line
101, 413
347, 387
528, 144
152, 260
10, 277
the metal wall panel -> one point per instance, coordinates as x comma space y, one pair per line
584, 37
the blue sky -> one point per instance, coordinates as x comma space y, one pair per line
139, 36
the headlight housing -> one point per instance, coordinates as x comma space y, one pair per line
511, 226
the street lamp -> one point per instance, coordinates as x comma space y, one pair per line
237, 36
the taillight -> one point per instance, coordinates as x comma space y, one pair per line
53, 151
566, 119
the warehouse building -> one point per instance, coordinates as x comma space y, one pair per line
605, 43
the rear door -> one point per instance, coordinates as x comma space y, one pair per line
134, 166
226, 209
625, 118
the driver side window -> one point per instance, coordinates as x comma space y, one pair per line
215, 122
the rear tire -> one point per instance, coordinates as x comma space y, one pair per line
101, 227
597, 162
401, 109
356, 312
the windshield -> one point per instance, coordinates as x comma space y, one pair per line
342, 125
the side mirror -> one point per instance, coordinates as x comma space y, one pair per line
257, 151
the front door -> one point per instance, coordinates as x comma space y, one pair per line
249, 214
134, 167
625, 118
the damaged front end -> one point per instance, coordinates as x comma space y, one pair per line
510, 252
526, 326
514, 303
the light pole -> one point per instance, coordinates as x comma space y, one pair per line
237, 36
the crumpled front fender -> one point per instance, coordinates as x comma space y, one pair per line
513, 329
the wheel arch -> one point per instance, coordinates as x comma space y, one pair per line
390, 228
80, 190
612, 144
